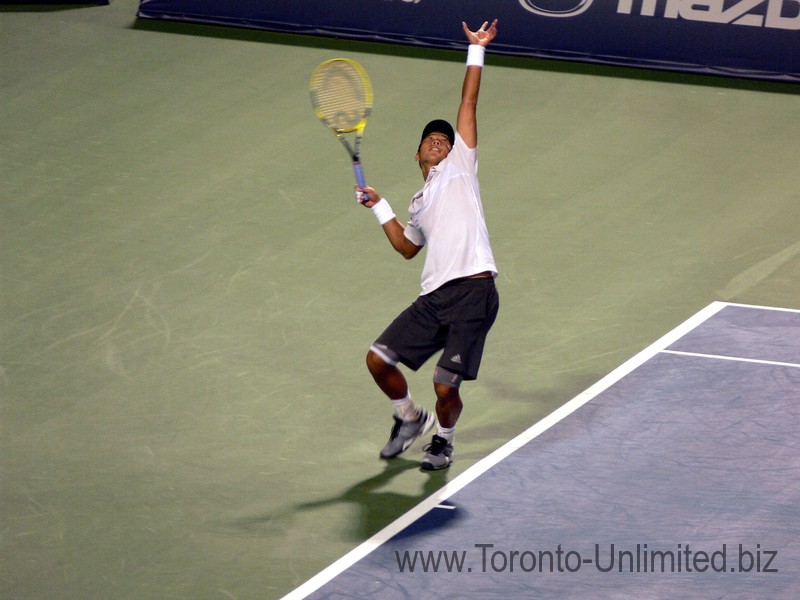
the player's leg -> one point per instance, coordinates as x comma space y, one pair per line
384, 371
474, 309
439, 453
410, 420
406, 337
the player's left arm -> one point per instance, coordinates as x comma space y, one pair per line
467, 122
392, 227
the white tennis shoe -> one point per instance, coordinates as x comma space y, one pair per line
405, 432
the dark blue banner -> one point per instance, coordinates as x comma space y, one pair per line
757, 39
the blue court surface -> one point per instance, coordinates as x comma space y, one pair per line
674, 476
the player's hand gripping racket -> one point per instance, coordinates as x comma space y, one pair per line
341, 95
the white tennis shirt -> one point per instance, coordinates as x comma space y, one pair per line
446, 215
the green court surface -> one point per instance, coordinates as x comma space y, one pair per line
188, 289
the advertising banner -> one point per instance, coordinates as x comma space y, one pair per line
757, 39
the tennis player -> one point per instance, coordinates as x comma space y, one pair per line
459, 302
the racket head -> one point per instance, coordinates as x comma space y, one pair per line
341, 94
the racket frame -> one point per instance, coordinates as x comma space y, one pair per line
354, 150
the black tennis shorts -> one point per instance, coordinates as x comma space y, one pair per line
454, 318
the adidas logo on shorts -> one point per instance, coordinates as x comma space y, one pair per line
456, 358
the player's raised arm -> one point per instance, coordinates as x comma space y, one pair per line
466, 124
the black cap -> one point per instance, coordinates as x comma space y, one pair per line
439, 126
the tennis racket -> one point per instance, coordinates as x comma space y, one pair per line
341, 95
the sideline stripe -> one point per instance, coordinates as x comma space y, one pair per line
733, 358
498, 455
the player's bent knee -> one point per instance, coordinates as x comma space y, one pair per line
447, 378
380, 356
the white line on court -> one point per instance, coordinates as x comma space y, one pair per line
733, 358
507, 449
757, 307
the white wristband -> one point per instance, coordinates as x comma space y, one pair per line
475, 54
383, 212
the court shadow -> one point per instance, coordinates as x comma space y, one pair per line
379, 507
33, 6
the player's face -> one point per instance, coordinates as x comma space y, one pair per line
434, 148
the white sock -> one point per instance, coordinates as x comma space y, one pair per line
447, 433
404, 408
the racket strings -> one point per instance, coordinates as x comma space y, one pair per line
339, 96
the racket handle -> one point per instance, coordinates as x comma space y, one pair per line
362, 182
